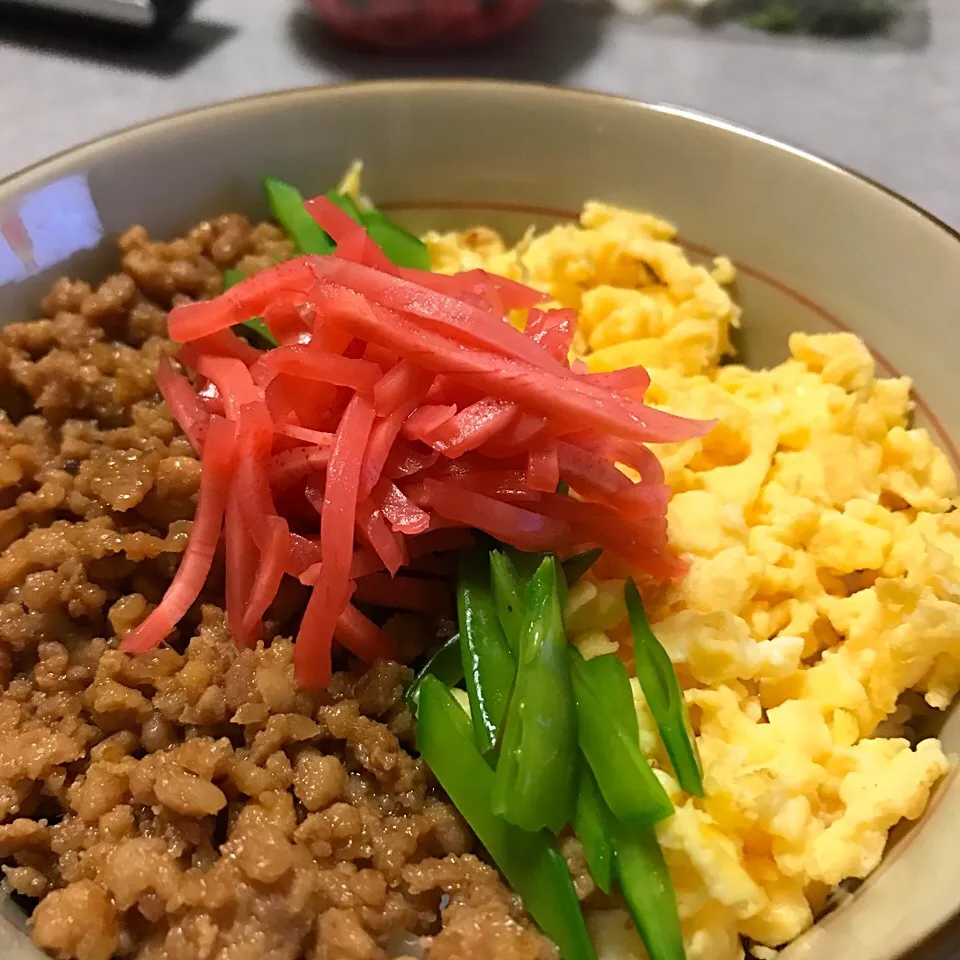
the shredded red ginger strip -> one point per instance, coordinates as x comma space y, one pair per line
219, 455
400, 412
241, 560
184, 404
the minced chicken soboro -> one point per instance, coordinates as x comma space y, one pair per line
191, 803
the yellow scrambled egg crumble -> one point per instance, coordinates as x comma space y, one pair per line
824, 581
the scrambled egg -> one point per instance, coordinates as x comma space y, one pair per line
824, 583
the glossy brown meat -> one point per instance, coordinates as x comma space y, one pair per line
190, 804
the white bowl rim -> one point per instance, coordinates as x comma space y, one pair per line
322, 91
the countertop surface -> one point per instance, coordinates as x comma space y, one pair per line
889, 107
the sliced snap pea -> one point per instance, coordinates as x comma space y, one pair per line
401, 247
535, 783
611, 746
645, 882
445, 664
508, 596
664, 696
488, 663
286, 202
575, 567
231, 278
592, 824
530, 862
346, 203
526, 564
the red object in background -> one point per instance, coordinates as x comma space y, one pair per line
408, 24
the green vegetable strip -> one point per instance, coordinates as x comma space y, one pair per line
508, 591
488, 664
261, 329
609, 677
286, 202
630, 852
575, 567
629, 786
563, 590
446, 665
664, 696
592, 825
535, 783
346, 203
529, 861
648, 891
401, 247
526, 564
231, 278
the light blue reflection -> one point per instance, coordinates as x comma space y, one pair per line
60, 219
57, 220
11, 266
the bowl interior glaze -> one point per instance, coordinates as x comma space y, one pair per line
818, 248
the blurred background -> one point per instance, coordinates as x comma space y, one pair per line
873, 84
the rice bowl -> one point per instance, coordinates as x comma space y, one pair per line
750, 650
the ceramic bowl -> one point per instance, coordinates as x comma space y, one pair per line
818, 249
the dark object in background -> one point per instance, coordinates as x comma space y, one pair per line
838, 18
421, 24
154, 15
